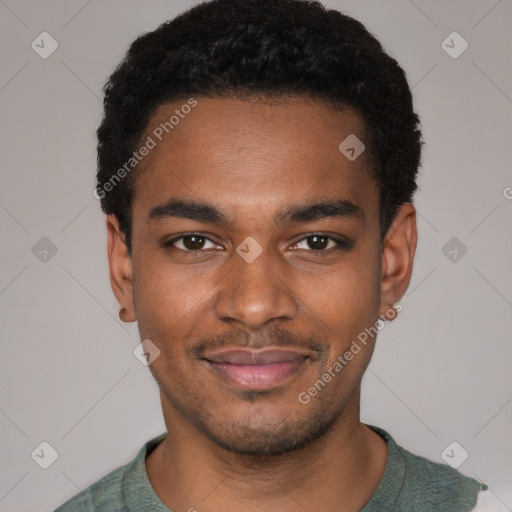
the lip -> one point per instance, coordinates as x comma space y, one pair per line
260, 369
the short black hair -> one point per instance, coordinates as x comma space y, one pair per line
261, 47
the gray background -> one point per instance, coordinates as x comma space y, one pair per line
441, 371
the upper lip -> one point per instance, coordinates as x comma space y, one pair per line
248, 356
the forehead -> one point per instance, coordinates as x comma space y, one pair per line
247, 154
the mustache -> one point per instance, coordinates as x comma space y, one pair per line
275, 337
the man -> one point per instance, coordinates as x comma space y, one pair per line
257, 163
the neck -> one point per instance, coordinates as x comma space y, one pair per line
341, 470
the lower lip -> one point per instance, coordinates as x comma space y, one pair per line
258, 376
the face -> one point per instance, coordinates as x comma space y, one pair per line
256, 263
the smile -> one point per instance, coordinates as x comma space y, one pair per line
257, 369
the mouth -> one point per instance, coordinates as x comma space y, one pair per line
257, 370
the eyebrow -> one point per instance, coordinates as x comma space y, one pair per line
207, 213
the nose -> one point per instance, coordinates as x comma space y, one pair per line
255, 293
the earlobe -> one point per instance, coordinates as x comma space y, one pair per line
399, 247
120, 266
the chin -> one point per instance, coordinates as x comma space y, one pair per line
257, 437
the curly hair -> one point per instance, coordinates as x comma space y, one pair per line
227, 48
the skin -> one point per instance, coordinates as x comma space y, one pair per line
249, 159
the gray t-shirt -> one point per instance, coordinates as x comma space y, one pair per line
410, 484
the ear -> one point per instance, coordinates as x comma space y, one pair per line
120, 265
399, 247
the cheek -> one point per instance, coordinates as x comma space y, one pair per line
170, 298
348, 297
167, 298
349, 310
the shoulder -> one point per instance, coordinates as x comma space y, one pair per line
415, 483
105, 494
439, 485
125, 485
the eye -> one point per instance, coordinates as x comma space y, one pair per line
319, 242
316, 242
192, 242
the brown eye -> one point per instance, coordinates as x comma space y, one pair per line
319, 242
192, 242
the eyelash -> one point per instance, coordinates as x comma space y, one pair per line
340, 244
